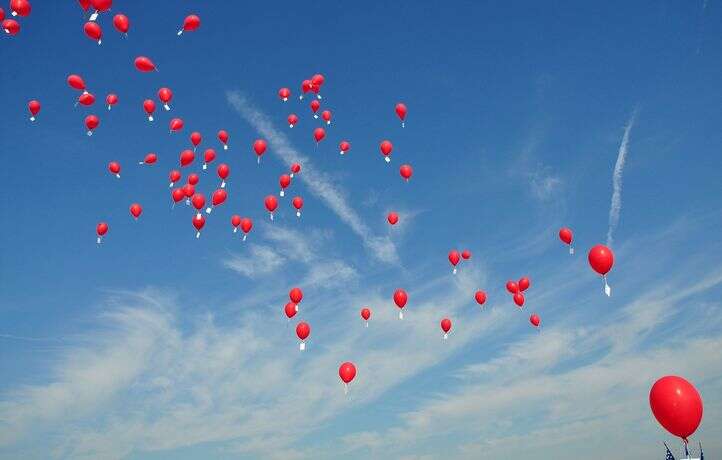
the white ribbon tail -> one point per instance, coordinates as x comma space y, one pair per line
208, 210
302, 346
282, 193
180, 32
315, 116
90, 133
607, 288
388, 160
205, 166
99, 41
244, 236
150, 117
118, 175
93, 16
345, 388
403, 125
271, 216
166, 106
223, 184
108, 106
446, 335
298, 213
198, 234
401, 314
235, 229
32, 118
99, 239
454, 271
225, 146
367, 323
171, 184
571, 250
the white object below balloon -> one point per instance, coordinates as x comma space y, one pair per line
302, 346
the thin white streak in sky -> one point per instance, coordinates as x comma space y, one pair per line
319, 183
616, 207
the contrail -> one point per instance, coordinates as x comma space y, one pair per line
318, 183
616, 206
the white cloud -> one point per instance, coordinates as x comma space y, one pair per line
262, 260
318, 182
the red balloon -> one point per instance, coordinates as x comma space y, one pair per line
292, 120
271, 204
218, 198
326, 115
20, 7
121, 23
114, 167
284, 94
149, 107
601, 259
193, 178
198, 222
34, 107
677, 405
246, 225
93, 30
519, 299
306, 86
144, 64
454, 257
565, 234
188, 190
176, 124
290, 309
223, 171
198, 200
366, 313
319, 134
393, 218
195, 138
535, 320
296, 295
303, 330
347, 372
174, 177
111, 99
315, 105
386, 147
91, 122
400, 298
223, 137
284, 181
406, 172
208, 156
150, 159
295, 169
235, 221
298, 204
11, 26
190, 23
512, 287
101, 229
84, 4
318, 80
466, 254
135, 210
76, 82
446, 326
524, 283
2, 14
177, 194
187, 157
480, 297
401, 112
165, 95
102, 5
86, 99
259, 146
344, 146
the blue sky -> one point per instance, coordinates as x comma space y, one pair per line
157, 345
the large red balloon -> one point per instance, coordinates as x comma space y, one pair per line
102, 5
114, 167
86, 99
446, 327
290, 309
393, 218
319, 134
454, 258
149, 159
303, 330
91, 122
187, 157
326, 115
466, 254
101, 229
295, 169
198, 201
298, 204
676, 405
135, 210
111, 99
400, 299
223, 137
524, 283
259, 146
34, 107
535, 320
11, 26
366, 314
149, 107
601, 259
246, 226
512, 287
177, 194
344, 146
284, 94
519, 299
296, 295
20, 7
93, 31
217, 199
401, 112
566, 235
292, 120
315, 105
480, 297
198, 222
144, 64
121, 23
208, 156
386, 147
174, 177
271, 204
176, 124
76, 82
165, 95
196, 139
223, 172
284, 181
190, 23
347, 372
406, 172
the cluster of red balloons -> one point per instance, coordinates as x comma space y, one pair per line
455, 257
18, 9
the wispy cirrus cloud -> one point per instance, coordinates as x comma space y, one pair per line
616, 206
318, 182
